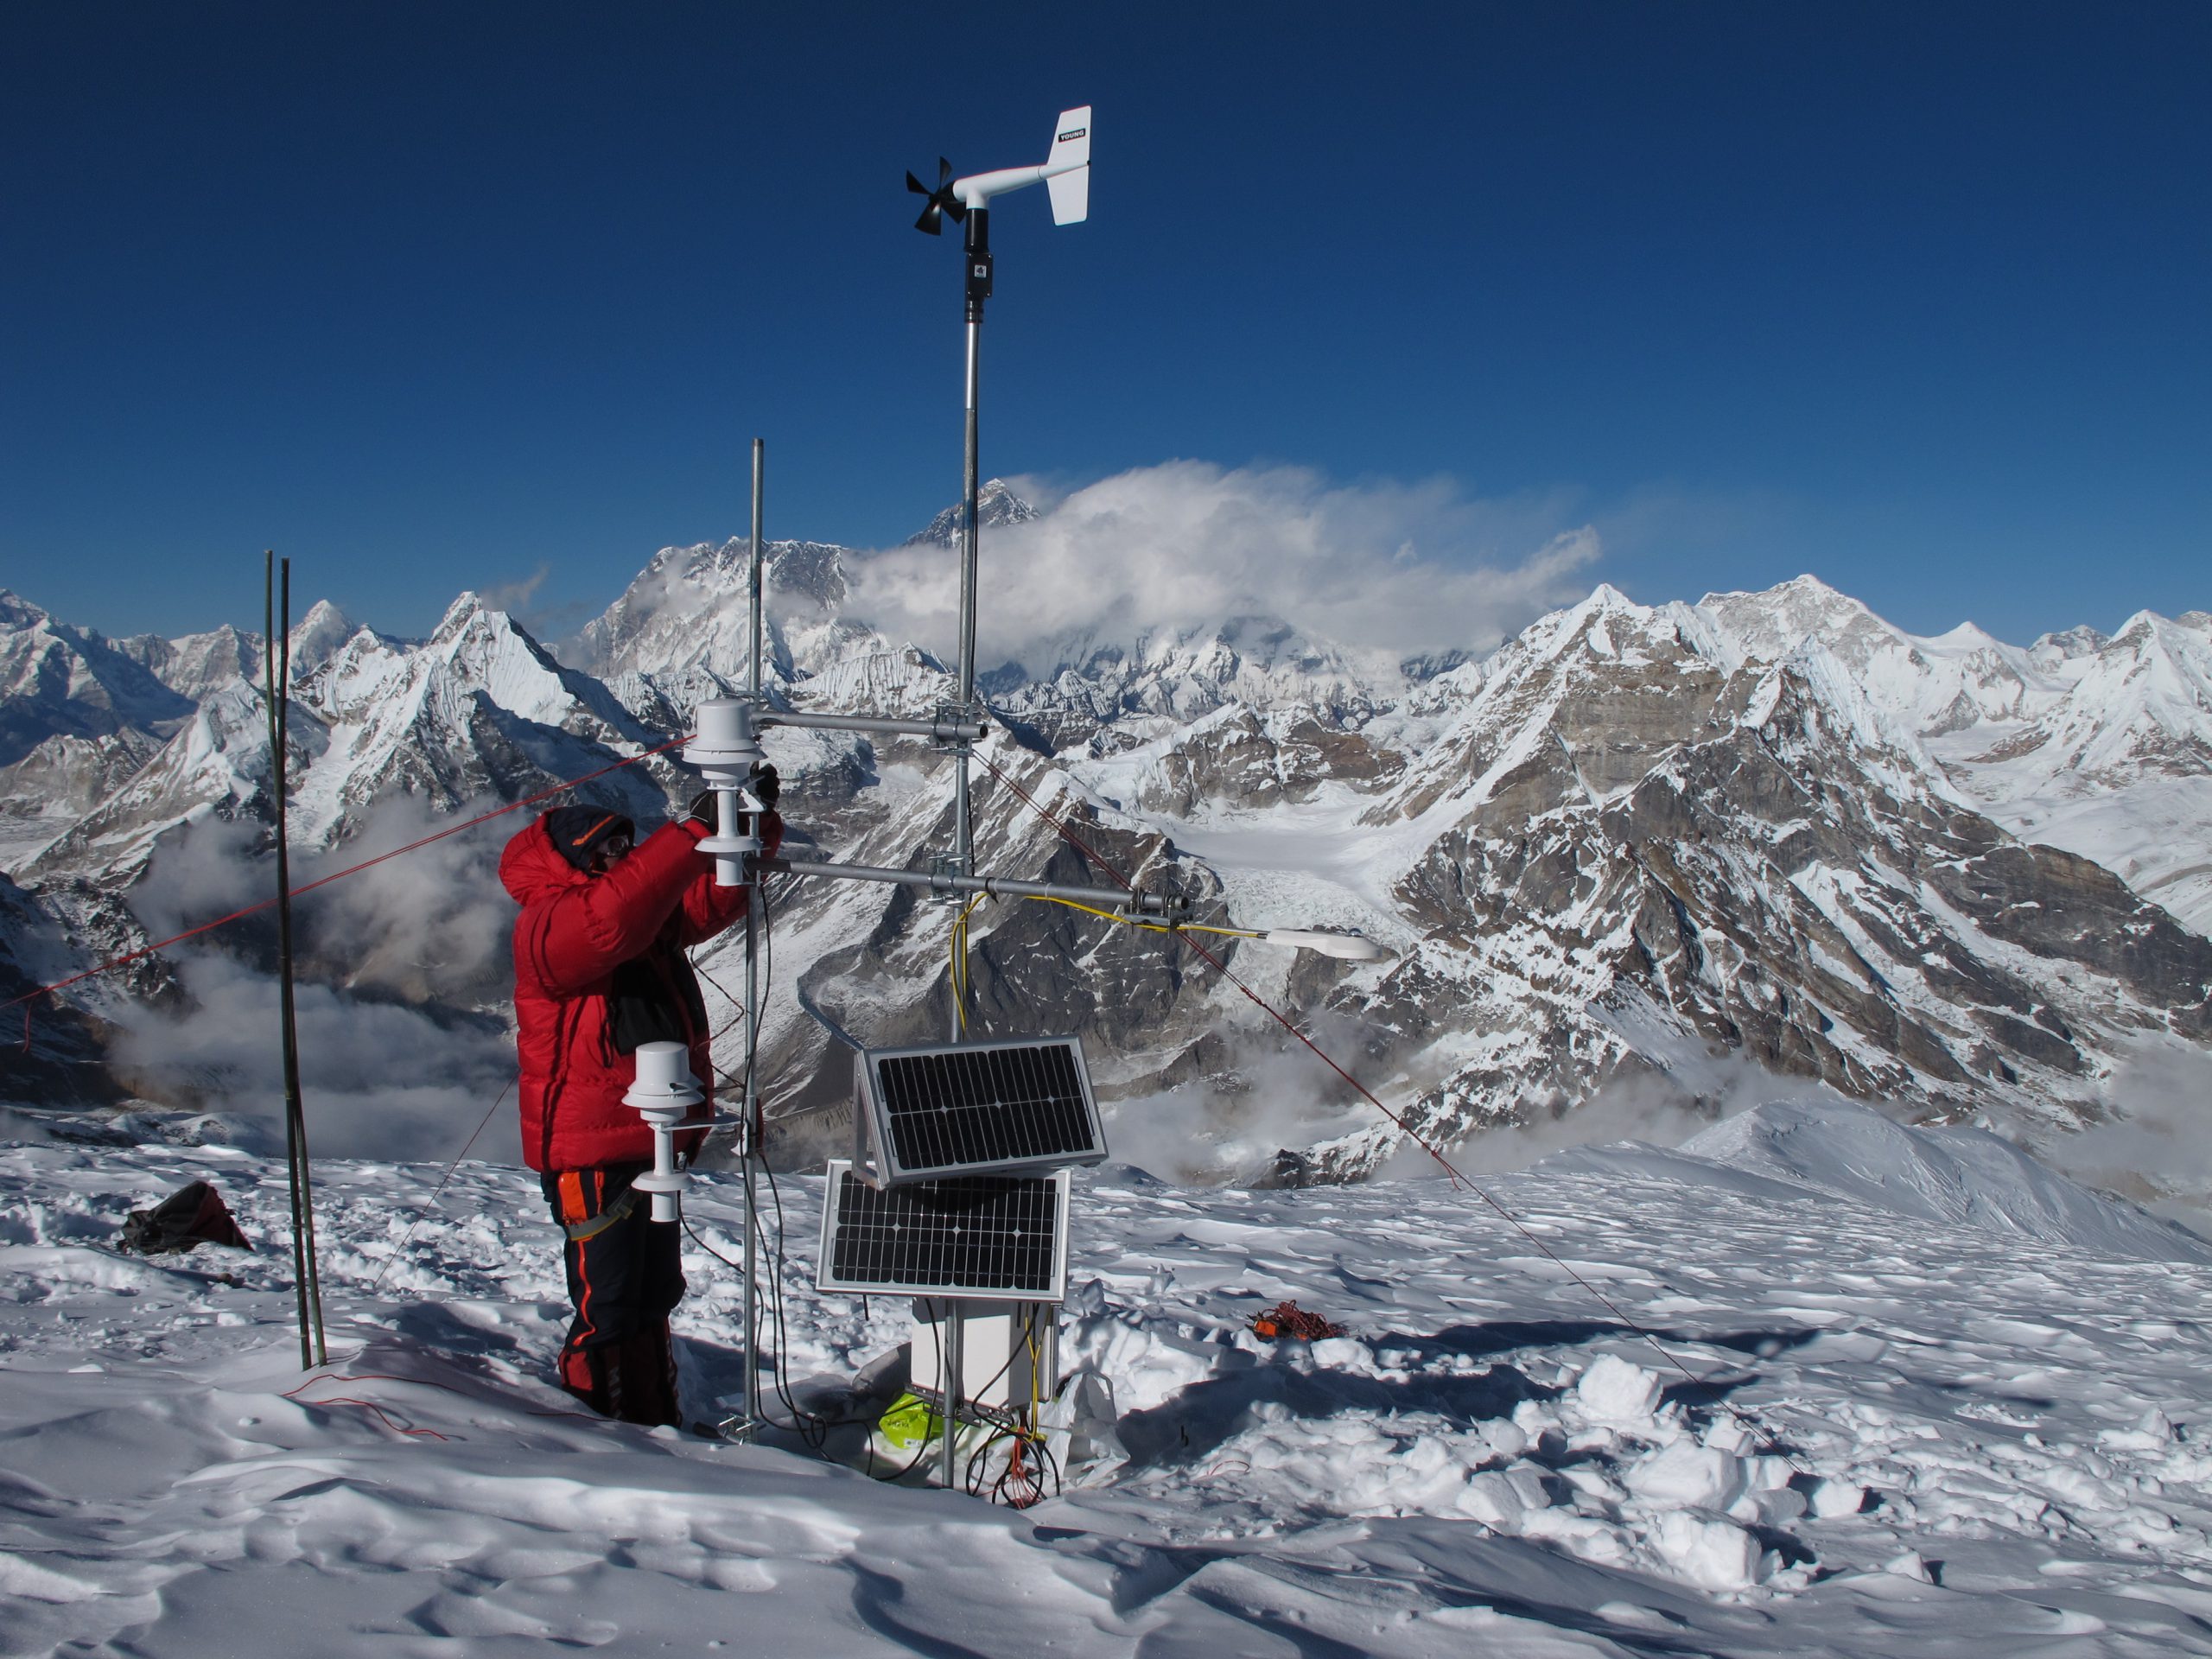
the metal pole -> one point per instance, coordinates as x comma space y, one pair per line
978, 287
963, 829
277, 790
955, 1356
749, 1135
760, 465
978, 284
970, 488
937, 729
1139, 903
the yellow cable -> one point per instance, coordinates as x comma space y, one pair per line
956, 952
957, 945
1149, 927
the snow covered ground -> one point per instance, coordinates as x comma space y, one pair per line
1944, 1402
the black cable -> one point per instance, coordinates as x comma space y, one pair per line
816, 1434
813, 1428
829, 1422
817, 1428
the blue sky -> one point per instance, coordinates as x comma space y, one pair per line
436, 295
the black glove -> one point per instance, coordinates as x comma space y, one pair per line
766, 789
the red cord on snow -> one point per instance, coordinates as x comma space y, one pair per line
1289, 1319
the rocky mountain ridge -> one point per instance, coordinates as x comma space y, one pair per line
1648, 850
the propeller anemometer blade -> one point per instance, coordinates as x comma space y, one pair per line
941, 201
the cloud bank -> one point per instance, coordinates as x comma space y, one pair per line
403, 982
377, 1079
1402, 569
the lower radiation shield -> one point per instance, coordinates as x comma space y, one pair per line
972, 1236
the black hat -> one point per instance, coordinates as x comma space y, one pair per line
577, 831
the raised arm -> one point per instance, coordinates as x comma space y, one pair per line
581, 935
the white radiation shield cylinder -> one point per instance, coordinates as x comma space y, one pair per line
725, 750
664, 1094
722, 733
663, 1074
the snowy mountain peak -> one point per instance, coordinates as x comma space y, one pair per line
317, 636
59, 680
2050, 650
467, 606
996, 506
1967, 636
197, 665
1771, 626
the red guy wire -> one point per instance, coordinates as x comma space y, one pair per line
324, 881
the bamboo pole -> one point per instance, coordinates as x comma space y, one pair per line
314, 1351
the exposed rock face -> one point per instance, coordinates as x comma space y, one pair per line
1633, 847
1628, 844
57, 1048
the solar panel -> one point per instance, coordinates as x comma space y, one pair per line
973, 1109
988, 1235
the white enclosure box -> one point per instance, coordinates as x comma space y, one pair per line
1009, 1353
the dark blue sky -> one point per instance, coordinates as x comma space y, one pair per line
1917, 297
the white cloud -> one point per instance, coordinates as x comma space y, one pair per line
1390, 567
393, 1065
377, 1079
515, 596
2154, 1148
435, 924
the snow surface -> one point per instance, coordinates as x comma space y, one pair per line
1944, 1402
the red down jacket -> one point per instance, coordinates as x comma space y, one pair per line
574, 931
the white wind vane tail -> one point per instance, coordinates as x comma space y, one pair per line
1067, 168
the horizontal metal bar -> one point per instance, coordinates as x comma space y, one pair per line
1145, 904
943, 731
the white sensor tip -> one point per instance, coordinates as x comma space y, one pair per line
1346, 944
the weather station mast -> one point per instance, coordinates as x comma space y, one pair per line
1065, 173
959, 1187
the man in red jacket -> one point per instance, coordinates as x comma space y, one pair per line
600, 968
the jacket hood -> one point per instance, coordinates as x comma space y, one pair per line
532, 868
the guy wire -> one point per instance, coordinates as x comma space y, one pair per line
305, 887
430, 1202
1459, 1178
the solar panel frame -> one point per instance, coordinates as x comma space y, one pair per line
991, 1237
929, 1112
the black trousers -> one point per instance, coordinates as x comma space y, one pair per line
625, 1273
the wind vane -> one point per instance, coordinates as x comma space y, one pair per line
1065, 173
